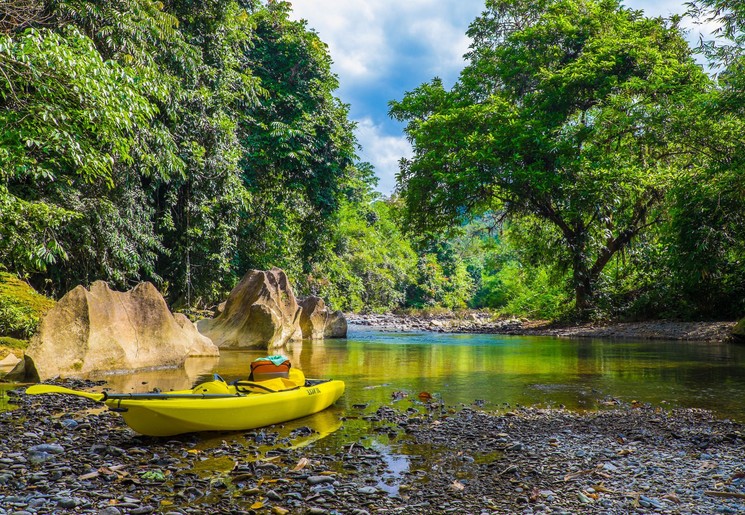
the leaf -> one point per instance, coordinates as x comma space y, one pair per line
301, 464
257, 505
672, 497
535, 494
457, 485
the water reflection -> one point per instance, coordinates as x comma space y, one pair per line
165, 379
500, 371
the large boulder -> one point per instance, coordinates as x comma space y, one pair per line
313, 318
336, 325
260, 313
101, 330
738, 332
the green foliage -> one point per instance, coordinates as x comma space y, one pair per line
21, 307
299, 147
571, 111
371, 263
441, 280
8, 343
68, 117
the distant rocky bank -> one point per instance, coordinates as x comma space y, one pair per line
483, 322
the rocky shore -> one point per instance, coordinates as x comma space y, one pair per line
483, 322
60, 455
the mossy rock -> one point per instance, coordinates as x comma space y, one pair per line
739, 331
21, 307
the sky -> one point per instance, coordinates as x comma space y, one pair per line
383, 48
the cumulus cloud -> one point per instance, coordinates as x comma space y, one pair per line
367, 39
383, 48
383, 151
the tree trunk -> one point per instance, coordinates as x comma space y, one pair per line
582, 277
583, 290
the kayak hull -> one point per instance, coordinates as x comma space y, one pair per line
168, 417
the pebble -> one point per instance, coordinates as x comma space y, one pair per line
445, 474
317, 480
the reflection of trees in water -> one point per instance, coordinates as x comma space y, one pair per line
584, 374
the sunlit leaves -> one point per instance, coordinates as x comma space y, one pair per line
572, 111
68, 117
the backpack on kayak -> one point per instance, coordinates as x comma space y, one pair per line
270, 367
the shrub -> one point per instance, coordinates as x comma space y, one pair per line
21, 307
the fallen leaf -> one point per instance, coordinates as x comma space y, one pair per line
534, 495
301, 464
425, 396
257, 505
457, 485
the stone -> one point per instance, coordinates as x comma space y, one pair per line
313, 318
11, 360
261, 312
336, 325
102, 330
738, 332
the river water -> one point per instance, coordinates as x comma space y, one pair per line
496, 372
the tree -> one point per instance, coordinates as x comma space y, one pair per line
299, 146
68, 118
706, 233
571, 111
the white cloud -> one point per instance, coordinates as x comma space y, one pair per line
367, 39
380, 50
383, 151
352, 30
383, 48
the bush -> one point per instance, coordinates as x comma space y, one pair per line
21, 307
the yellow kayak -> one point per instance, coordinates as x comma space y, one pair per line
217, 406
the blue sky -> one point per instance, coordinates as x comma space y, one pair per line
384, 48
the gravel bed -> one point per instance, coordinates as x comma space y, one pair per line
482, 322
57, 455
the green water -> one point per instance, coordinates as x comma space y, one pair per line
497, 371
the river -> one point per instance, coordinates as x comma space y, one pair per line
497, 372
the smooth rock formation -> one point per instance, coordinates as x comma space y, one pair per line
313, 317
260, 313
8, 364
336, 325
90, 332
10, 360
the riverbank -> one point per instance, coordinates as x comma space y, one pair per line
483, 322
59, 455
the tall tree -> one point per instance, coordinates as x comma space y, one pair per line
571, 111
299, 146
68, 119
